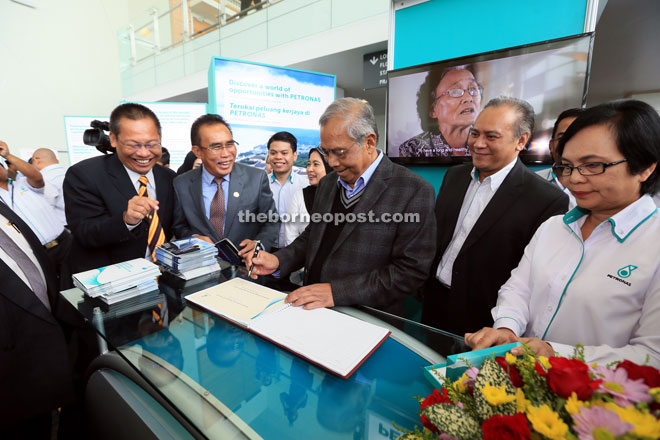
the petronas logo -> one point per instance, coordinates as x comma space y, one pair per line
625, 271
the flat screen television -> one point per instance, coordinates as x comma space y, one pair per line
427, 125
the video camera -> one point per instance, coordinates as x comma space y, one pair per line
96, 136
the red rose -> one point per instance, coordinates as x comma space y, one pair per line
540, 370
513, 427
570, 375
650, 375
512, 370
432, 399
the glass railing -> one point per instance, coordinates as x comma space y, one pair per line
155, 31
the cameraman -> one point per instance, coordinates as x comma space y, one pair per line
31, 198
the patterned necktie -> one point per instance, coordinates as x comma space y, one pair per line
27, 266
156, 235
217, 211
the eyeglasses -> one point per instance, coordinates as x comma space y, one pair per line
336, 152
215, 148
586, 169
458, 92
136, 146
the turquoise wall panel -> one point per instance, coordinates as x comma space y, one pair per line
444, 29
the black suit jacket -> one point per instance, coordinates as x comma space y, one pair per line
492, 249
96, 194
34, 363
373, 263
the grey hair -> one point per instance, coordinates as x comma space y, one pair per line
525, 122
358, 115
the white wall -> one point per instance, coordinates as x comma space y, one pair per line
653, 99
58, 59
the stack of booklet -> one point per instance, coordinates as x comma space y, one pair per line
119, 282
188, 258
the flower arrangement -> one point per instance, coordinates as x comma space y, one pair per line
534, 397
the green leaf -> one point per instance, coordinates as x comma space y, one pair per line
453, 420
492, 373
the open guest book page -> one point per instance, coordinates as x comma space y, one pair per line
332, 340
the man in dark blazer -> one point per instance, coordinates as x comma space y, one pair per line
245, 192
378, 244
487, 212
109, 221
35, 366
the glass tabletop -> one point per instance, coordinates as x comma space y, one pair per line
232, 383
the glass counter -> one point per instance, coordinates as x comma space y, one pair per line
231, 383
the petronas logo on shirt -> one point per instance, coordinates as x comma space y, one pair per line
625, 271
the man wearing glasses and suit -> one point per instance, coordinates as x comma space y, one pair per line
376, 240
119, 206
212, 201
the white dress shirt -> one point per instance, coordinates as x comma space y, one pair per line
22, 243
54, 175
297, 211
33, 206
283, 194
603, 292
477, 197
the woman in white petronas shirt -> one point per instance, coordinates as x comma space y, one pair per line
592, 276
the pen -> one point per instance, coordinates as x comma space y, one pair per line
254, 255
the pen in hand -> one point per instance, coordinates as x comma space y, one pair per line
254, 255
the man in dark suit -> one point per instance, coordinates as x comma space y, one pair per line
487, 212
376, 243
221, 199
35, 324
109, 220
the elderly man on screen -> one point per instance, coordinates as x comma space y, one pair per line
374, 262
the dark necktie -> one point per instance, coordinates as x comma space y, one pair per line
27, 266
156, 235
217, 211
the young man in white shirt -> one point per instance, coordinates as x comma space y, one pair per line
284, 183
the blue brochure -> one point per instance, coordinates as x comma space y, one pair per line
457, 364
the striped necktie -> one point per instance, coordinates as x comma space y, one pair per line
156, 235
217, 211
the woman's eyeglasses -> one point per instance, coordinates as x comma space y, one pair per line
586, 169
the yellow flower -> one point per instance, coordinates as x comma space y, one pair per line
496, 396
646, 425
460, 385
509, 358
521, 402
545, 362
547, 422
573, 404
655, 393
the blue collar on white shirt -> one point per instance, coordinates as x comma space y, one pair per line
273, 178
363, 180
623, 222
496, 179
208, 178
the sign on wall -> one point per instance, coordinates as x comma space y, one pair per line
375, 70
259, 100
